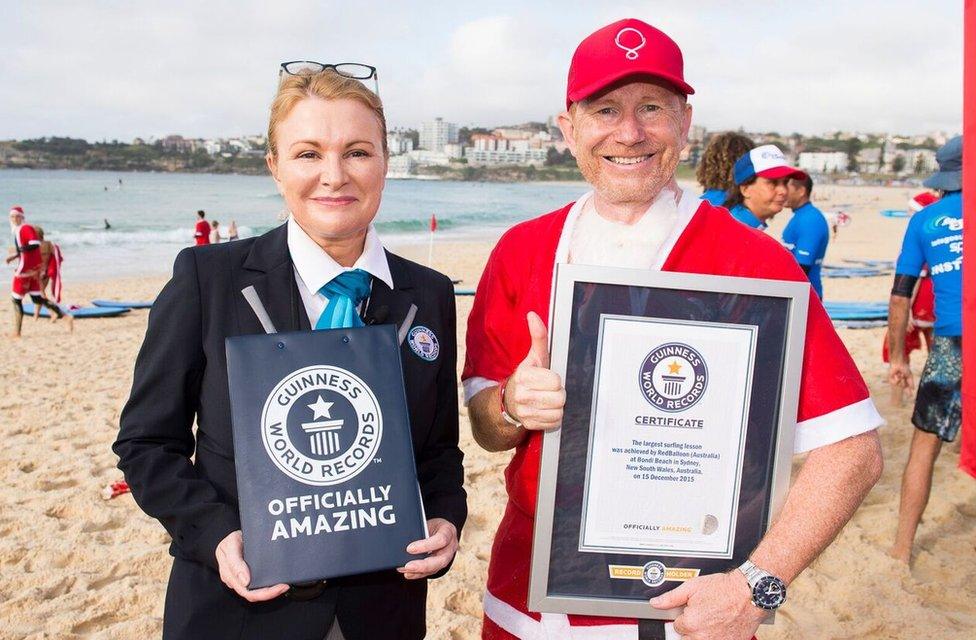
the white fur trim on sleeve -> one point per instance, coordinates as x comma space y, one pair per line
475, 384
852, 420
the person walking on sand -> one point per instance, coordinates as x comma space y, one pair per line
933, 237
27, 273
51, 260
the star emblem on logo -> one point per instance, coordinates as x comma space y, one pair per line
321, 408
674, 367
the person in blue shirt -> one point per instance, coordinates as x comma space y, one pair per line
933, 237
714, 171
806, 234
760, 178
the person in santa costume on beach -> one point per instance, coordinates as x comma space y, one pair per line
626, 121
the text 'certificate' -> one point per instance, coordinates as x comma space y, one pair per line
668, 426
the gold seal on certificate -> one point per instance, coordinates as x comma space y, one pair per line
674, 451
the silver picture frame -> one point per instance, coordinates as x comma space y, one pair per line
795, 295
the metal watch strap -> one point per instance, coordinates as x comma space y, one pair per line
752, 572
507, 417
754, 575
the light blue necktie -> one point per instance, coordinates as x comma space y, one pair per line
344, 293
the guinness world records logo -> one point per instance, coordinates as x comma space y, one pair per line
654, 573
673, 377
318, 462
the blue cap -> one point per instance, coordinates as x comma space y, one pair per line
949, 175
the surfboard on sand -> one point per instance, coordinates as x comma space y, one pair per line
81, 312
141, 304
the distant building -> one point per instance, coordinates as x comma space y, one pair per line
485, 157
488, 142
453, 151
822, 161
257, 142
176, 143
398, 143
401, 166
920, 160
425, 157
512, 134
869, 160
434, 134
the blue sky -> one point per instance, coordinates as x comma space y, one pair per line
114, 70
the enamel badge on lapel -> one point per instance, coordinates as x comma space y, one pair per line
424, 343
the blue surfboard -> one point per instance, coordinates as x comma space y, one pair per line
144, 304
856, 310
83, 312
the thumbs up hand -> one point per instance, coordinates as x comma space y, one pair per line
534, 395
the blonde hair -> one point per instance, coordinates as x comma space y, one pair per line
327, 85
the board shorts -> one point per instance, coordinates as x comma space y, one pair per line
938, 404
23, 287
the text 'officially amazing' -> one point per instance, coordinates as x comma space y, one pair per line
338, 511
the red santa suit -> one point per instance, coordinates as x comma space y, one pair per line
27, 277
201, 233
834, 402
54, 271
923, 317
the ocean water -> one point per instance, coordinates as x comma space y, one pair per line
152, 214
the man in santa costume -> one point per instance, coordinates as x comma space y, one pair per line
27, 273
626, 122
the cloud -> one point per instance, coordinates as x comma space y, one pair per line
110, 70
496, 70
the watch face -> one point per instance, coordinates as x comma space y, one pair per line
769, 592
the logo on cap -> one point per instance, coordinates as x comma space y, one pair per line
770, 152
631, 51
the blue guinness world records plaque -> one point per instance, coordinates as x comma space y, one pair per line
326, 479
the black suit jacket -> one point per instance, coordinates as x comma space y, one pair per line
181, 375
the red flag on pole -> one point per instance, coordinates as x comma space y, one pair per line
433, 223
967, 459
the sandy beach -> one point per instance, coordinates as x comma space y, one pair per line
75, 565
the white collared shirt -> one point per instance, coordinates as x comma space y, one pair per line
314, 268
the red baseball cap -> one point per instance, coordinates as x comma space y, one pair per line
17, 209
625, 48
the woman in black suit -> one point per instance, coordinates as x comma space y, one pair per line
324, 268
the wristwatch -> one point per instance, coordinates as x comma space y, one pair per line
505, 414
768, 591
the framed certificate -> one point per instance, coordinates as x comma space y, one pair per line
675, 450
